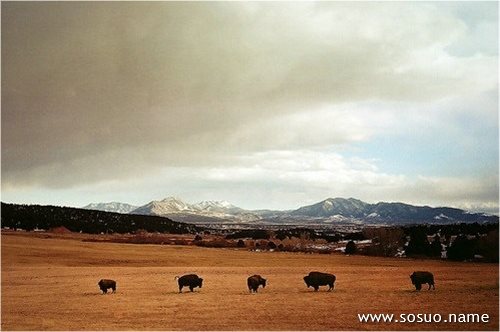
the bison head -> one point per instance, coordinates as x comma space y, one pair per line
263, 282
200, 281
306, 279
412, 277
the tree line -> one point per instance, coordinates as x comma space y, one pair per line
31, 217
457, 242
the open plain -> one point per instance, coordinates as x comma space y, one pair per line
50, 283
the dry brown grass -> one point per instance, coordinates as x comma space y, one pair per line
51, 284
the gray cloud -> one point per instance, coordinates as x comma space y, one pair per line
96, 91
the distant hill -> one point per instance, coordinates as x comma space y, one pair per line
347, 208
328, 211
30, 217
333, 209
111, 207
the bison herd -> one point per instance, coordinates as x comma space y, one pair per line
313, 279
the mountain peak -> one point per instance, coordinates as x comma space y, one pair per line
171, 199
343, 200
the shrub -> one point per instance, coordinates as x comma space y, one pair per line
461, 249
350, 248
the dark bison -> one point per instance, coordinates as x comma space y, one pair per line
422, 277
104, 284
189, 280
316, 279
254, 282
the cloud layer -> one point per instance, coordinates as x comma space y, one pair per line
99, 92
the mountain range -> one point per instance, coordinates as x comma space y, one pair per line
111, 207
328, 211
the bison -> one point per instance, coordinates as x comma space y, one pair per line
104, 284
316, 279
189, 280
422, 277
254, 282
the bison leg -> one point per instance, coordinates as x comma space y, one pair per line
418, 286
191, 288
316, 288
331, 287
180, 289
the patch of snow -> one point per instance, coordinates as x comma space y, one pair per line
441, 216
400, 253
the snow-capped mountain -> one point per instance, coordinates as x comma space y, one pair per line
163, 207
111, 207
382, 212
351, 208
213, 210
213, 206
331, 210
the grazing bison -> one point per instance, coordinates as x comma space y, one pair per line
104, 284
422, 277
189, 280
316, 279
254, 281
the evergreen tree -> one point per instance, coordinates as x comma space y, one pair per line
435, 247
418, 244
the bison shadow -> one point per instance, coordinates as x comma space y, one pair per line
184, 292
254, 294
95, 293
333, 291
414, 291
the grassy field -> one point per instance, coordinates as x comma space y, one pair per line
51, 284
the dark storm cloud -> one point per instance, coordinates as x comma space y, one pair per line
96, 91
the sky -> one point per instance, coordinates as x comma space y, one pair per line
263, 104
